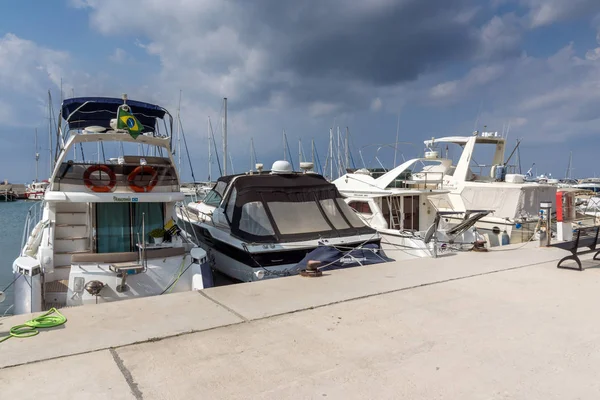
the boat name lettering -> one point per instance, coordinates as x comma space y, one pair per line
125, 199
346, 260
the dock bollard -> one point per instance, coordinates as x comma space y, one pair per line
546, 211
312, 269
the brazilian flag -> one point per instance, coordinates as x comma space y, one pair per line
126, 120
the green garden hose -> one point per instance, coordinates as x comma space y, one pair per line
30, 328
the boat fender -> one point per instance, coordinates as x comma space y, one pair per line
505, 238
100, 188
143, 169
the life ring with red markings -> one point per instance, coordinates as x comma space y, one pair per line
143, 169
87, 180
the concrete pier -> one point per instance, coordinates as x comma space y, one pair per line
500, 325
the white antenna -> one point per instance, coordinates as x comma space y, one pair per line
478, 114
284, 146
312, 150
299, 151
225, 137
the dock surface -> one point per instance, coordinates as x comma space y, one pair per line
500, 325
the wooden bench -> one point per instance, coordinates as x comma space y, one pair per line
583, 238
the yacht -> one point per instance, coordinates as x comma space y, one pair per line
473, 185
591, 184
397, 205
262, 224
89, 240
36, 190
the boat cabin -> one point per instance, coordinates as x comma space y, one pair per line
266, 208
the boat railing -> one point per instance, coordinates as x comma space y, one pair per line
34, 216
427, 178
485, 170
160, 174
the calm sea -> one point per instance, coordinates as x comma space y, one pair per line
12, 220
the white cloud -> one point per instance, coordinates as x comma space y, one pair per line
555, 97
119, 56
501, 36
376, 104
455, 91
547, 12
319, 108
444, 90
27, 67
594, 54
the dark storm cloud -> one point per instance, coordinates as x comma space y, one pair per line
332, 47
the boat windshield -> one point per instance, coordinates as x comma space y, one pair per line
269, 208
214, 197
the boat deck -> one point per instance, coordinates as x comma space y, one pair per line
497, 325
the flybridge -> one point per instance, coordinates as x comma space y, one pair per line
483, 138
81, 112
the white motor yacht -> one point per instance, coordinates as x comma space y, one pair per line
36, 190
477, 186
90, 240
396, 205
262, 224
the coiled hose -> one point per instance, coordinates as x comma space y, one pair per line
30, 328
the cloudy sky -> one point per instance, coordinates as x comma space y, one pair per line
438, 67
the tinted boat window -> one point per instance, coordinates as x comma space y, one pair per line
254, 220
298, 217
212, 199
334, 215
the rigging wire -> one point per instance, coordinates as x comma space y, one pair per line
212, 134
187, 150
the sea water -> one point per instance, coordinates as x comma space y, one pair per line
12, 220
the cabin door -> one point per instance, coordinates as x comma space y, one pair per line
410, 212
113, 227
120, 226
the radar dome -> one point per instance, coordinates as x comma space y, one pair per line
281, 167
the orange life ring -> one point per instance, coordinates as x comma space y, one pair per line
100, 188
143, 169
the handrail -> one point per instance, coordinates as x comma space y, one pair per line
34, 216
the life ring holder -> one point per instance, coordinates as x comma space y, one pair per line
142, 169
100, 188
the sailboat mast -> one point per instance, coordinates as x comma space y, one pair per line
37, 156
347, 148
397, 137
331, 153
252, 160
339, 157
225, 137
568, 173
179, 135
50, 133
209, 147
